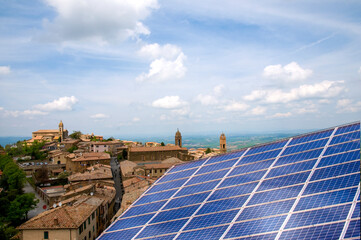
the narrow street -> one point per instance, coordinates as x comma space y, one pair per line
39, 208
117, 182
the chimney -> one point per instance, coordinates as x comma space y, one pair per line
56, 221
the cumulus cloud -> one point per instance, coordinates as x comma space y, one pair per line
348, 105
4, 70
97, 21
211, 98
167, 63
61, 104
325, 89
99, 116
257, 111
236, 106
291, 72
169, 102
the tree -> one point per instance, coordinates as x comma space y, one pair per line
162, 144
13, 177
75, 135
72, 149
42, 174
208, 151
19, 208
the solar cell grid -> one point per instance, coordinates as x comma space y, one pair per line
288, 169
222, 205
311, 137
326, 199
305, 146
216, 198
233, 191
332, 184
245, 178
318, 216
330, 231
283, 181
177, 175
311, 154
349, 128
217, 166
339, 158
256, 226
337, 170
353, 229
207, 177
343, 147
346, 137
265, 210
187, 200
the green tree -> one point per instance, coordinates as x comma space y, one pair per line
162, 144
75, 135
72, 149
19, 208
208, 151
13, 177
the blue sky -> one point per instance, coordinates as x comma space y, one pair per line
148, 67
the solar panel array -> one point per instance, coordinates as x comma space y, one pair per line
306, 187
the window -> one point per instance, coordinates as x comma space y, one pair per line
90, 234
80, 229
93, 215
84, 224
155, 170
46, 235
93, 229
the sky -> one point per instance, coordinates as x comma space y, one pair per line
148, 67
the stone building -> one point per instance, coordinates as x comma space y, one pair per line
153, 154
81, 162
50, 135
222, 143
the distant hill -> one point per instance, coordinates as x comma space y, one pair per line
10, 140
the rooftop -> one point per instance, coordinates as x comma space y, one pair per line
156, 149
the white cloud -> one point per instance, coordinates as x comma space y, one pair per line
1, 108
98, 21
291, 72
184, 111
212, 98
153, 51
168, 63
324, 89
61, 104
4, 70
99, 116
29, 113
136, 119
257, 110
348, 105
169, 102
281, 115
236, 106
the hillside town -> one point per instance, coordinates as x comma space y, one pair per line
83, 182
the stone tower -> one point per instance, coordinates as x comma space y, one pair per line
222, 143
178, 138
61, 131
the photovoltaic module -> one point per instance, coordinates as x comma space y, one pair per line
305, 187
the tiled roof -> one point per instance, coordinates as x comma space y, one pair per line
47, 131
156, 149
92, 157
60, 218
103, 172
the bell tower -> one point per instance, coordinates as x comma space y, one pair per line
61, 131
178, 138
222, 143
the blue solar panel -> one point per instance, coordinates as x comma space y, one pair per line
211, 219
353, 229
326, 199
325, 232
188, 200
257, 193
256, 226
266, 210
222, 205
324, 215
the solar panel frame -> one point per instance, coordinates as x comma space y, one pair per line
341, 153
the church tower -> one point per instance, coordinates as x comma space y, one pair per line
178, 138
222, 143
61, 131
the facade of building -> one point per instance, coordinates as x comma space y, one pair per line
111, 146
85, 160
152, 154
50, 135
222, 143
